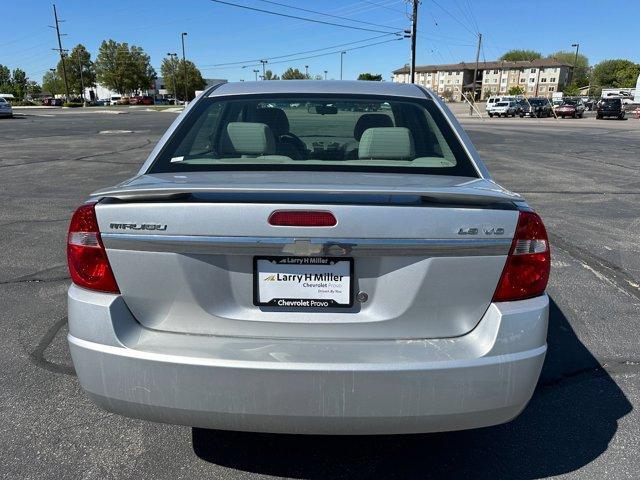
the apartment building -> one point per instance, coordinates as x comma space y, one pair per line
446, 80
536, 78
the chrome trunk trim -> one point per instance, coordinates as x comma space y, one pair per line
335, 247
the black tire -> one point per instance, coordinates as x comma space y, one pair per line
491, 115
522, 115
598, 117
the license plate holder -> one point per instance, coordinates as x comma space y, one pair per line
315, 283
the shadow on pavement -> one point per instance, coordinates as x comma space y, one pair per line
568, 423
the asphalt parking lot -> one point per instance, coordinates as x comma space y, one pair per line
582, 175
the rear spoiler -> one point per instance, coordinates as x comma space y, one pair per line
457, 194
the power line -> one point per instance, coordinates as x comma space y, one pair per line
297, 53
383, 6
313, 56
325, 14
295, 17
454, 17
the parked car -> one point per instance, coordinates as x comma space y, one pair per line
570, 108
504, 109
261, 275
52, 102
162, 101
535, 107
6, 110
141, 100
610, 107
591, 103
493, 100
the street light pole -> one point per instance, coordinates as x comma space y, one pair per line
255, 72
306, 71
341, 63
575, 61
184, 65
325, 74
174, 61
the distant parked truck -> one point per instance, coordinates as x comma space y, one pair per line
626, 94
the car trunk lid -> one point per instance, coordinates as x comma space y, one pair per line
427, 251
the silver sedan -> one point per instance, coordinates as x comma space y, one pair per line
310, 257
5, 108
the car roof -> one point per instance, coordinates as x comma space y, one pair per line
329, 87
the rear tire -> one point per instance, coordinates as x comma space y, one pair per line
491, 115
598, 117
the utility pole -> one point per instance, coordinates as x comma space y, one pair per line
575, 62
174, 62
184, 65
256, 71
84, 100
61, 51
263, 62
414, 31
475, 73
341, 62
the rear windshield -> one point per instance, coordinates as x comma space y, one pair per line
502, 104
611, 101
315, 133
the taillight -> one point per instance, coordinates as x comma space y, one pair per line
302, 218
86, 256
526, 271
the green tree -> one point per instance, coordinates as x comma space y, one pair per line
122, 68
571, 90
615, 73
19, 82
519, 55
269, 75
580, 75
5, 80
373, 77
52, 83
173, 69
516, 90
79, 58
293, 74
33, 88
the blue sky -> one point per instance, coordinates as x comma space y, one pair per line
220, 33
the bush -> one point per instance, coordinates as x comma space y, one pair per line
72, 104
21, 103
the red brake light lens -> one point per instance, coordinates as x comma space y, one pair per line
526, 272
302, 218
86, 255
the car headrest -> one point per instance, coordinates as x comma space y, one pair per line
382, 143
371, 120
246, 138
274, 117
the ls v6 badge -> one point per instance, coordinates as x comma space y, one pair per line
486, 230
137, 226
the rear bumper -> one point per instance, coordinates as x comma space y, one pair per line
308, 386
